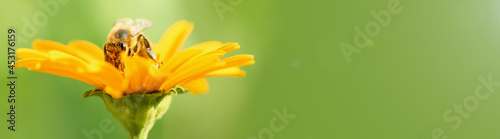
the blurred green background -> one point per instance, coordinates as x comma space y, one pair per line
425, 63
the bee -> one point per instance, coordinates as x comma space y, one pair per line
126, 40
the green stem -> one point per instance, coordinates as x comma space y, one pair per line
136, 132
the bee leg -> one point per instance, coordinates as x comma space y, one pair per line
151, 54
121, 66
145, 42
130, 53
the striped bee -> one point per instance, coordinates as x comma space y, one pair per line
126, 39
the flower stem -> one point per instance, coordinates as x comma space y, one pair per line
139, 133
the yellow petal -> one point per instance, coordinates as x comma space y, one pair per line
231, 71
86, 50
45, 46
57, 69
156, 80
203, 65
231, 67
219, 53
73, 75
107, 74
192, 69
198, 85
175, 81
185, 56
100, 71
64, 58
213, 47
207, 46
58, 60
178, 59
173, 39
196, 65
113, 92
229, 47
30, 53
138, 70
239, 60
28, 62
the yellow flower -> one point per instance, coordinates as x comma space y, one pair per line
187, 68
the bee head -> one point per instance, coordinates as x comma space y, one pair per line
122, 46
115, 49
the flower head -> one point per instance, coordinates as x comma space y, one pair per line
186, 68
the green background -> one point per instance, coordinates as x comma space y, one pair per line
427, 60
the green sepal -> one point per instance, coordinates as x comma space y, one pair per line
91, 92
178, 90
173, 91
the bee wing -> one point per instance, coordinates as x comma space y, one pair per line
140, 25
123, 21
